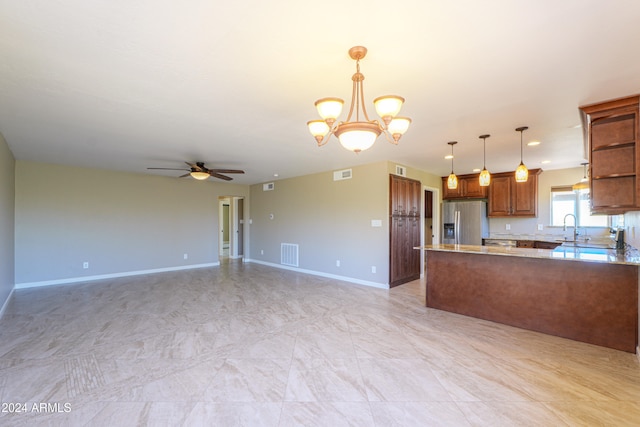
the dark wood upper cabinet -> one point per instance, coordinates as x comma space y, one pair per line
510, 198
613, 137
506, 197
468, 188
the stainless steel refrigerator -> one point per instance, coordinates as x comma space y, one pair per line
465, 222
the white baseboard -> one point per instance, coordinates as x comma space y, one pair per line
6, 303
321, 274
110, 276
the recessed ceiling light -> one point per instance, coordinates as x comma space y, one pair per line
276, 175
544, 162
532, 143
448, 157
476, 170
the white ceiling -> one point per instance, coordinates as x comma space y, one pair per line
130, 84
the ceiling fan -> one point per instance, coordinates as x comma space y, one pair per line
200, 171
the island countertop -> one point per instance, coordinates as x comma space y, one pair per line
569, 253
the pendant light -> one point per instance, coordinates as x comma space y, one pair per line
584, 182
452, 181
522, 173
485, 176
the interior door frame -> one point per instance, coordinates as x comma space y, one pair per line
235, 223
436, 202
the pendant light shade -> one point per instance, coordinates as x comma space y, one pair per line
452, 181
584, 182
522, 173
485, 176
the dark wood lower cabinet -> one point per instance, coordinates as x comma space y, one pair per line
404, 230
592, 302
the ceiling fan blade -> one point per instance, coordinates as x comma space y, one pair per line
217, 175
227, 170
169, 169
186, 174
193, 165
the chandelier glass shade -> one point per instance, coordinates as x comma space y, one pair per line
522, 173
361, 133
485, 176
452, 181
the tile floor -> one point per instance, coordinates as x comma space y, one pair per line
250, 345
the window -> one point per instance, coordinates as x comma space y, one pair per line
565, 201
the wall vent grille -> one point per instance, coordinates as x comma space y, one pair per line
343, 174
401, 170
289, 254
268, 186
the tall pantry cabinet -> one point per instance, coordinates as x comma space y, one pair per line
404, 230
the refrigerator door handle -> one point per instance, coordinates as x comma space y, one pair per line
457, 226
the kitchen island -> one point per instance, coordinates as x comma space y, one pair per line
584, 294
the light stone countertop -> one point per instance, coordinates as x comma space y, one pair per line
569, 253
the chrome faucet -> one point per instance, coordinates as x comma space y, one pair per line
575, 226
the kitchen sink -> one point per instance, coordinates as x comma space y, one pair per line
583, 244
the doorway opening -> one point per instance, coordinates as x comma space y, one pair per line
231, 225
431, 219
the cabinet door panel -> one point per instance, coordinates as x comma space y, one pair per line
500, 196
448, 193
524, 199
473, 188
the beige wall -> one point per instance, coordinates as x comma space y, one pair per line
7, 219
118, 222
329, 220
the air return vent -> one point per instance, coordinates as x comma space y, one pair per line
401, 170
289, 254
343, 174
268, 186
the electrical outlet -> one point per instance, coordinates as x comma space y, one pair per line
540, 227
85, 264
186, 256
507, 227
373, 268
337, 263
261, 251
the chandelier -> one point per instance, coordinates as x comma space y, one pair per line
360, 134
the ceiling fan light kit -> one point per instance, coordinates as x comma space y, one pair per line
360, 134
199, 175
